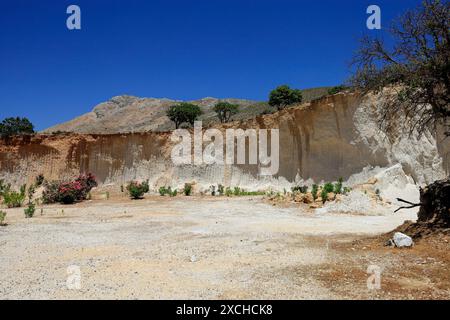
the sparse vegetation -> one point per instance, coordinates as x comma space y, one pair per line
283, 96
137, 189
337, 89
167, 191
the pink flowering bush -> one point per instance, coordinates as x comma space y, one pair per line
69, 192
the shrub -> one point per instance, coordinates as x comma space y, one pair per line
137, 190
51, 192
162, 191
13, 199
324, 195
328, 187
69, 192
315, 189
213, 190
347, 190
29, 212
301, 189
338, 186
228, 192
187, 189
2, 218
87, 182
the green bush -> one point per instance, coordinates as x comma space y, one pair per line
314, 191
137, 190
324, 195
338, 186
2, 218
13, 199
29, 212
187, 189
328, 187
347, 190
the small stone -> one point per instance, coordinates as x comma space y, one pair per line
193, 258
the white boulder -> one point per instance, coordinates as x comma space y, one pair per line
402, 240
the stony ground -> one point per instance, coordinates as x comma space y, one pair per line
211, 248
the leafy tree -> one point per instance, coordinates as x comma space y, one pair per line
184, 112
413, 74
284, 96
15, 126
225, 110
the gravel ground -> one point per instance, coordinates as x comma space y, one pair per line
178, 248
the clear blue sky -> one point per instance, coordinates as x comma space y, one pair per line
177, 49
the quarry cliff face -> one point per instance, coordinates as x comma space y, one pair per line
336, 136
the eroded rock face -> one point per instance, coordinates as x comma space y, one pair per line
333, 137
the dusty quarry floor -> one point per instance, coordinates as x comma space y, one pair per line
212, 248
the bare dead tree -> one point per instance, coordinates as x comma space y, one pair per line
413, 74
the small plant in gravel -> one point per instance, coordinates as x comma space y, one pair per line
137, 190
228, 192
347, 190
187, 189
29, 211
2, 218
213, 190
